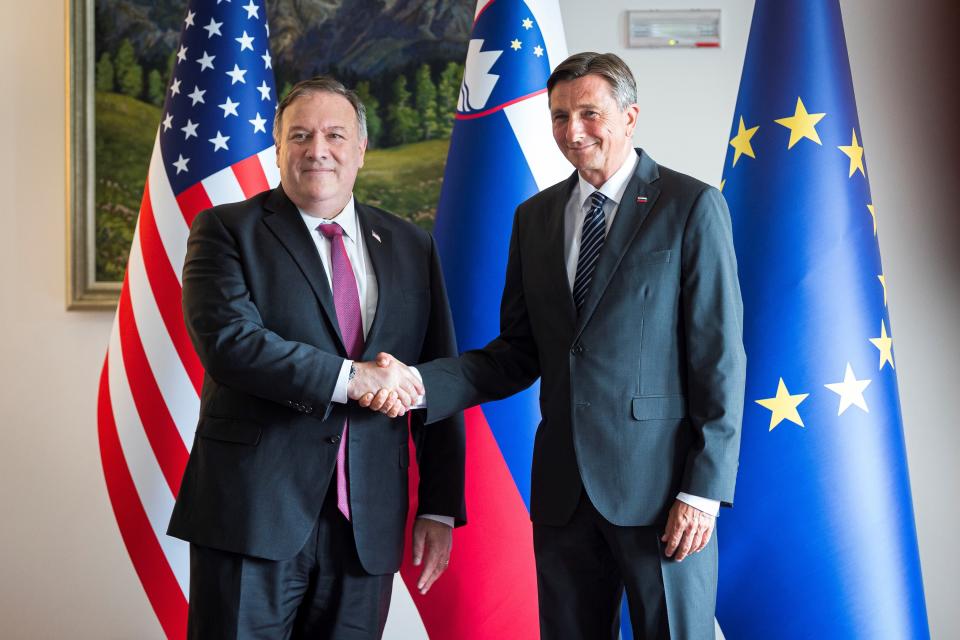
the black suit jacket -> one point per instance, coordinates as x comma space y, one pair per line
642, 394
262, 319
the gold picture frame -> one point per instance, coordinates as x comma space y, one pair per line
84, 291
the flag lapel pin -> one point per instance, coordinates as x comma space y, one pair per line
641, 199
376, 236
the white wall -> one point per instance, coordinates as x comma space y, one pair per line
65, 570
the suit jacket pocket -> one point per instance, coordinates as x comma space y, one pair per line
652, 257
229, 430
659, 408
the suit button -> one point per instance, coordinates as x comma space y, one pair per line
334, 439
577, 349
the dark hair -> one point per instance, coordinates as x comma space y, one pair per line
320, 84
606, 65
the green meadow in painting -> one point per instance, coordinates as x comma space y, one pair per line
406, 65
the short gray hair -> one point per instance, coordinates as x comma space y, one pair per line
608, 66
320, 84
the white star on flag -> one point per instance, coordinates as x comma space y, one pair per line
229, 107
168, 122
197, 95
258, 124
213, 29
190, 129
206, 61
850, 391
515, 44
264, 91
189, 20
237, 75
246, 42
267, 61
527, 23
181, 163
175, 87
253, 10
538, 51
182, 54
220, 142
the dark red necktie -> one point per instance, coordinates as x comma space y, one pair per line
346, 299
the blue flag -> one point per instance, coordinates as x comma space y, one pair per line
822, 542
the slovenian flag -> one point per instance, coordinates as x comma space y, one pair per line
501, 153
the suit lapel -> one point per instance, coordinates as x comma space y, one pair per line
638, 200
555, 236
287, 225
381, 251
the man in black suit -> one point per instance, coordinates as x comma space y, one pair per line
621, 294
295, 502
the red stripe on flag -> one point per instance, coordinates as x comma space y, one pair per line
499, 107
150, 563
158, 425
193, 201
166, 290
482, 9
490, 588
250, 175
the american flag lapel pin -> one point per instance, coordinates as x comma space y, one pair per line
641, 199
376, 236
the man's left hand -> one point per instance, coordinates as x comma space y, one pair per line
688, 530
432, 542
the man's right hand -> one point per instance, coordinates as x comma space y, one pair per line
386, 385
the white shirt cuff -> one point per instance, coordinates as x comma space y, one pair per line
447, 520
703, 504
421, 402
340, 390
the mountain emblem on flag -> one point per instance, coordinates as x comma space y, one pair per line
478, 82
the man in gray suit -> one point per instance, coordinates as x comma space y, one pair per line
642, 366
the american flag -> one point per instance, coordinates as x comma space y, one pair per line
214, 145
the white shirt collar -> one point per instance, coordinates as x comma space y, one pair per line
615, 186
347, 219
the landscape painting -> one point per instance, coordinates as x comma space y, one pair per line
403, 57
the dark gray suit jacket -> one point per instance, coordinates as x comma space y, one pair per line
642, 395
261, 316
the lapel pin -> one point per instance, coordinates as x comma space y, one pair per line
641, 199
376, 236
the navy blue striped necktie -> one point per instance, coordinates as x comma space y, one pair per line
591, 241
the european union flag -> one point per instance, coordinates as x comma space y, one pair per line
822, 542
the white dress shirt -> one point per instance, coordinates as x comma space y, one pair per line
362, 272
366, 288
577, 207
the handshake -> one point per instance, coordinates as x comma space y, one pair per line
385, 385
